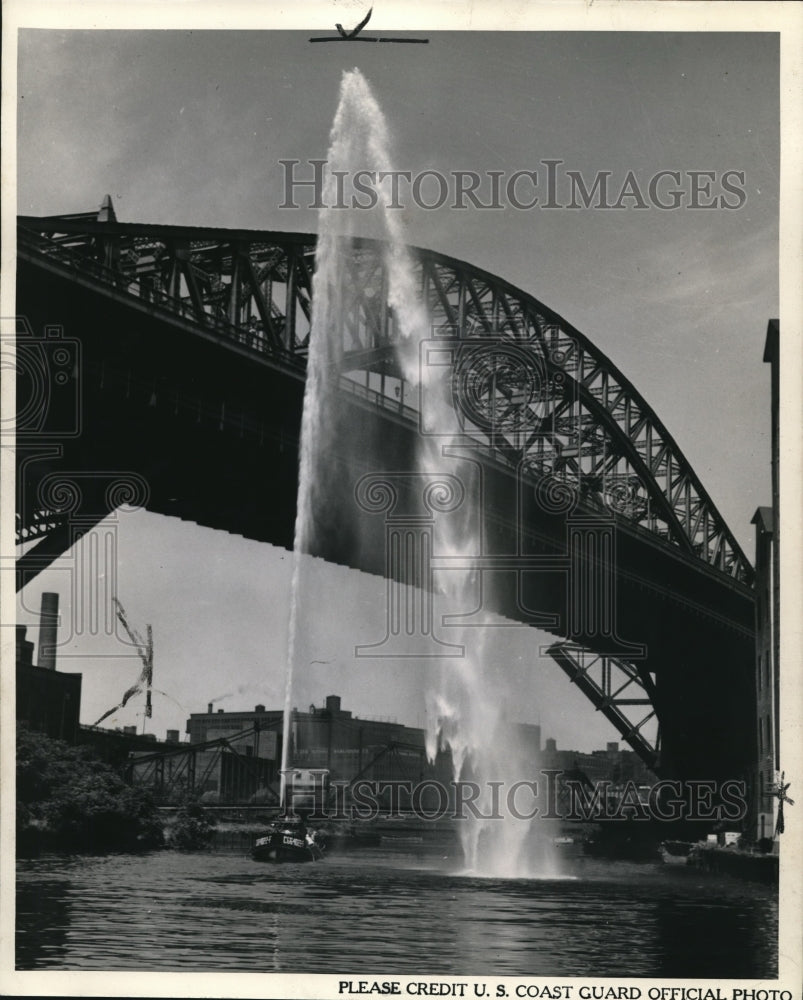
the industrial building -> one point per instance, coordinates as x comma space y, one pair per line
231, 756
766, 679
48, 700
349, 746
332, 738
763, 816
328, 737
611, 764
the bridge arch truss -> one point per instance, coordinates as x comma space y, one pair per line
559, 407
527, 387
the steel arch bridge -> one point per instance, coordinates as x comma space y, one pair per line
596, 432
548, 406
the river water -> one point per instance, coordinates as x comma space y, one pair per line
401, 908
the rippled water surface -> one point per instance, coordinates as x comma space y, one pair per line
403, 909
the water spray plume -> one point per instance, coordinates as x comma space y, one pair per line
468, 701
358, 137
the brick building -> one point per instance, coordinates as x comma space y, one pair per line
48, 700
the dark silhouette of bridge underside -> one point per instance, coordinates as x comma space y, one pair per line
191, 376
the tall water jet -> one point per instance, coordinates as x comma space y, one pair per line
358, 137
469, 700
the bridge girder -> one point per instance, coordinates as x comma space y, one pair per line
542, 402
605, 680
580, 421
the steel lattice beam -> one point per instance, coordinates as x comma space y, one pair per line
594, 432
149, 769
605, 680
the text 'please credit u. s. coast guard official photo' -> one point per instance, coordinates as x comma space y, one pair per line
401, 490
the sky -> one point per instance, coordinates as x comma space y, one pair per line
189, 128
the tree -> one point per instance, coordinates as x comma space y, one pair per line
69, 800
194, 828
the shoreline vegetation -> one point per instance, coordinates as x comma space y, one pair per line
70, 801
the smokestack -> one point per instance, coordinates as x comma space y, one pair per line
209, 710
48, 628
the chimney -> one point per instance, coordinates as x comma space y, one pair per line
48, 627
209, 709
333, 703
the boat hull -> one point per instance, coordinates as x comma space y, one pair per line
285, 845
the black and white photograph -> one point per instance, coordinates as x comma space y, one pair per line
400, 409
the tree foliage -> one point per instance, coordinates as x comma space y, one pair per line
194, 828
68, 799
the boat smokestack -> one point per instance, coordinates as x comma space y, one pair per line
48, 629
